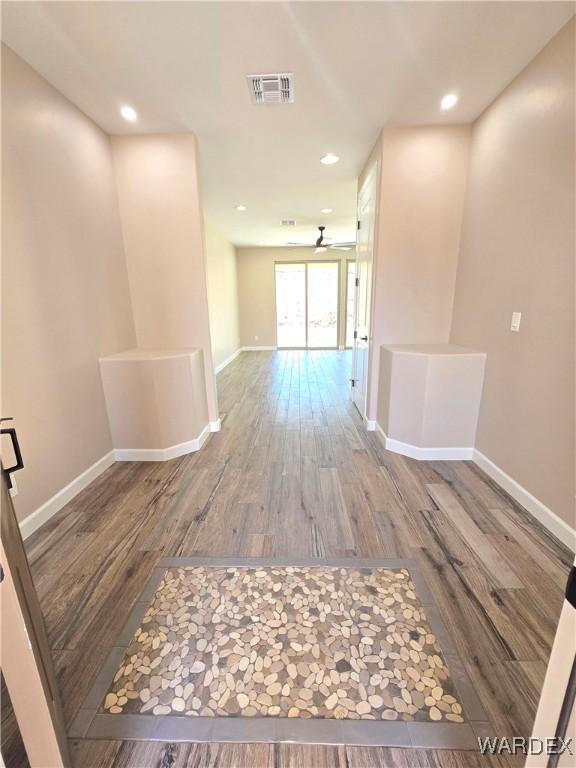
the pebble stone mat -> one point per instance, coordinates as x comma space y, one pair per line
314, 651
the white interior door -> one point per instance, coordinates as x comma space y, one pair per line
26, 657
364, 258
556, 715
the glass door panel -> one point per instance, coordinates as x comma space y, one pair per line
350, 299
322, 304
291, 305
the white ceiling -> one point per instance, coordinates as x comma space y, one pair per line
357, 67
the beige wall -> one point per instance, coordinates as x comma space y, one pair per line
64, 284
257, 290
162, 223
422, 180
518, 254
222, 296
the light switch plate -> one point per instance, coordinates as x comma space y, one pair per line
515, 324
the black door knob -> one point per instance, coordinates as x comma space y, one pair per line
16, 448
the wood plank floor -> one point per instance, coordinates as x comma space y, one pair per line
293, 472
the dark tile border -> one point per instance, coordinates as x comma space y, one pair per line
91, 724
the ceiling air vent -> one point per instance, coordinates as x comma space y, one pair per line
271, 89
288, 222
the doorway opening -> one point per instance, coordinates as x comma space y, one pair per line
307, 304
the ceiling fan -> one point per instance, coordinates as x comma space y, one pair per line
322, 243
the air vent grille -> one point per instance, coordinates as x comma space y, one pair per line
288, 222
271, 89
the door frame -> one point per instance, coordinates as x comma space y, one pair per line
27, 663
338, 262
355, 289
556, 712
370, 183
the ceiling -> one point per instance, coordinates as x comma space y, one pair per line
357, 67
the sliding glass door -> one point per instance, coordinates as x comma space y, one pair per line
291, 305
307, 304
322, 303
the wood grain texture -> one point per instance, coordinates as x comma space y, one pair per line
293, 472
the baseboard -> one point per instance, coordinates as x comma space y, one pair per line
60, 499
165, 454
530, 503
40, 516
238, 351
540, 511
228, 360
451, 453
258, 349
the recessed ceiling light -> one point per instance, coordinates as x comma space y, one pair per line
326, 210
240, 207
449, 101
329, 159
129, 113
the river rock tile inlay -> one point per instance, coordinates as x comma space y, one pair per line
295, 642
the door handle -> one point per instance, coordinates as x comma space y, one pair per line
16, 448
363, 338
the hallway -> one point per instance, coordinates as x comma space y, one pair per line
293, 473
